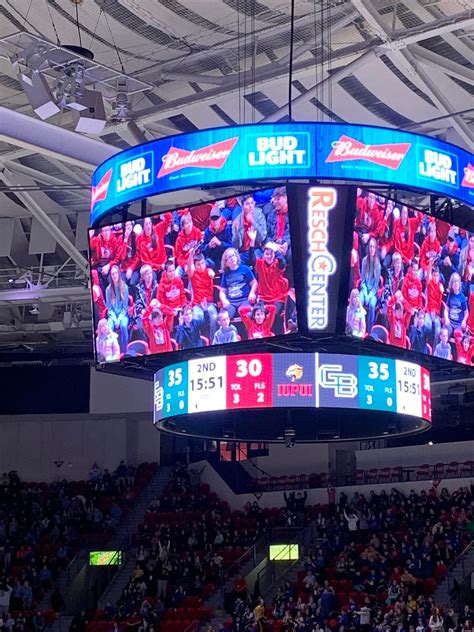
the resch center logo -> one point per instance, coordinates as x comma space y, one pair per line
271, 151
321, 263
135, 173
437, 165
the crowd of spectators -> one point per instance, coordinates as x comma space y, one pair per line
375, 567
42, 526
208, 274
412, 280
188, 540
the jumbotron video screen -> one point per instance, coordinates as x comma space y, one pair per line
209, 274
412, 280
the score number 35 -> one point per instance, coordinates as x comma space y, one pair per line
377, 372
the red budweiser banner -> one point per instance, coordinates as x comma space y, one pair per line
388, 155
210, 157
468, 180
99, 192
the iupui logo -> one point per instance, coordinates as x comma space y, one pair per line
99, 192
321, 263
468, 180
438, 166
290, 150
294, 373
210, 157
390, 155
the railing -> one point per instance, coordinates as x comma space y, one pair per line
194, 626
453, 585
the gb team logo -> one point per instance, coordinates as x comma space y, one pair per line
343, 384
271, 151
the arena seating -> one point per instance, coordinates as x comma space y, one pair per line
42, 526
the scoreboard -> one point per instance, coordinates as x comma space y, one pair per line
292, 380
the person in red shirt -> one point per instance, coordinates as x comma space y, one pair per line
151, 243
470, 318
157, 332
128, 255
202, 286
188, 237
434, 301
272, 283
397, 335
386, 232
464, 347
258, 320
430, 249
369, 220
404, 230
100, 308
412, 291
171, 292
104, 253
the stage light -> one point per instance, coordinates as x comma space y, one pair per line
88, 112
39, 94
290, 439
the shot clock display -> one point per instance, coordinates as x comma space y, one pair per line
294, 380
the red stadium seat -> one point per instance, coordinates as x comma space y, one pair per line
452, 470
423, 472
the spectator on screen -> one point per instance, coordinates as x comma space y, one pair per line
188, 237
100, 308
278, 226
466, 265
171, 292
464, 347
430, 249
273, 286
397, 321
449, 260
217, 238
128, 255
201, 279
355, 316
116, 299
104, 253
434, 301
151, 243
156, 329
147, 290
443, 348
188, 332
249, 226
456, 310
419, 333
226, 332
370, 281
412, 291
108, 348
404, 230
238, 283
258, 320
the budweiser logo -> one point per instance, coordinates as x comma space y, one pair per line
390, 155
210, 157
468, 180
99, 192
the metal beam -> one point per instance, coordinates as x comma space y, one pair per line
339, 74
51, 140
26, 296
406, 61
405, 37
47, 223
447, 65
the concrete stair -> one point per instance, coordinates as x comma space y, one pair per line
459, 571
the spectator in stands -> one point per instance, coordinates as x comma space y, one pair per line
116, 299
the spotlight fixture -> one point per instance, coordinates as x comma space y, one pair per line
39, 94
34, 309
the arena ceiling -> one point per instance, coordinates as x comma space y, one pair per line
208, 63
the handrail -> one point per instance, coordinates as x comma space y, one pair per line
462, 554
193, 626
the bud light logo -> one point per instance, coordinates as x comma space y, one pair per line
269, 151
135, 173
439, 166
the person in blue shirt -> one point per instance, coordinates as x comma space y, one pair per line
456, 312
238, 283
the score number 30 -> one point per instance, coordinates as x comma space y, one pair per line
244, 368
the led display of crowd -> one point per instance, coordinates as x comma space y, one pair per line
204, 275
412, 280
